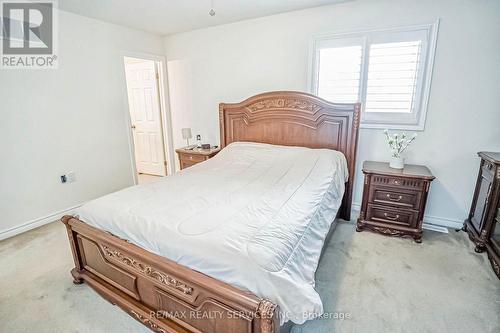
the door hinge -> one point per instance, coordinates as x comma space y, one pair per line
157, 76
165, 163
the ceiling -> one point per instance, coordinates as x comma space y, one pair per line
171, 16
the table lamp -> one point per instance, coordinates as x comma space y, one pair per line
186, 134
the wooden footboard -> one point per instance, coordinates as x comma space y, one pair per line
160, 293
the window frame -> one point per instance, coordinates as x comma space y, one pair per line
381, 120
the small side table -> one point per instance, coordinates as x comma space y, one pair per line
189, 157
394, 200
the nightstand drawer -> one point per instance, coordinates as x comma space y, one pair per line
186, 164
399, 182
192, 158
403, 217
391, 196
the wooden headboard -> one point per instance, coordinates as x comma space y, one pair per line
294, 118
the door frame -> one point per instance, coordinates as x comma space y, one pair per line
164, 111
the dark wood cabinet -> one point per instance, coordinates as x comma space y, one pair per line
495, 239
394, 200
483, 223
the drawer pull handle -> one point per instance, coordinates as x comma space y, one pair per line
190, 157
397, 182
398, 198
389, 217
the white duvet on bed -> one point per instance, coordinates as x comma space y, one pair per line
254, 216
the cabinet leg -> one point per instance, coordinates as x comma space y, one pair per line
417, 239
479, 248
77, 281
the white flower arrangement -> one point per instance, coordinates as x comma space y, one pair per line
398, 142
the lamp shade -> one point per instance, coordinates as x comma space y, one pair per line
186, 133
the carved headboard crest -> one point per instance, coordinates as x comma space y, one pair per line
294, 118
284, 103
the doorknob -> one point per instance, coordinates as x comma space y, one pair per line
133, 126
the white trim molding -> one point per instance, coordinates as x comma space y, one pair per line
35, 223
443, 222
429, 220
165, 111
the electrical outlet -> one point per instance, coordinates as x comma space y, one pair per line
71, 177
198, 137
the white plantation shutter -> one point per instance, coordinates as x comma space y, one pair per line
392, 77
387, 71
339, 73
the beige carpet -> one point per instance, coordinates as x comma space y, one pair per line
381, 284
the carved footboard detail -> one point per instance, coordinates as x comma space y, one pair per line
147, 322
159, 293
154, 273
267, 313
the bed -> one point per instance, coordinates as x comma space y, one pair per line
218, 246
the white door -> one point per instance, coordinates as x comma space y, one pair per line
145, 115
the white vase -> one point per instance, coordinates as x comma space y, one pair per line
397, 162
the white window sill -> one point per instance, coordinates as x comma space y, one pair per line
408, 127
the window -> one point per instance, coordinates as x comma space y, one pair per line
388, 71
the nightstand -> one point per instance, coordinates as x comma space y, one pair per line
189, 157
394, 199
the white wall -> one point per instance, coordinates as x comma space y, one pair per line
69, 119
234, 61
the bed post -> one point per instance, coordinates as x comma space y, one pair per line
74, 250
268, 316
350, 154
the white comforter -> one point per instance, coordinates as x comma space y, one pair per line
254, 216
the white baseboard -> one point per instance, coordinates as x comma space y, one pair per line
443, 222
430, 220
38, 222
